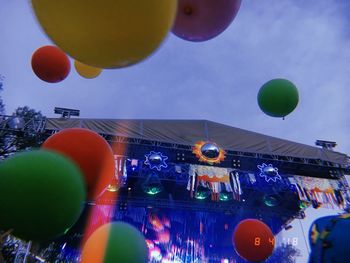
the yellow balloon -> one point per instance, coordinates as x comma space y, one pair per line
86, 71
106, 33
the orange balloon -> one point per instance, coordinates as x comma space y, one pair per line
253, 240
86, 71
115, 242
50, 64
90, 151
95, 247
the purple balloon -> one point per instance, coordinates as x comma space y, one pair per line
201, 20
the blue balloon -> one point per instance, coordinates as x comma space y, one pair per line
329, 239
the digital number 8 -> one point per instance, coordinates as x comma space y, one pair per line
257, 241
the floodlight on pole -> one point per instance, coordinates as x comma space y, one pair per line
67, 113
326, 144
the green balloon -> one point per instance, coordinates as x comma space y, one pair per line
278, 97
41, 194
125, 244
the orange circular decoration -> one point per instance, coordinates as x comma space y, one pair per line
50, 64
199, 150
253, 240
90, 151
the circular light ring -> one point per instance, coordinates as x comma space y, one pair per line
269, 172
156, 160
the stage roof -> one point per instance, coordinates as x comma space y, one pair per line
188, 132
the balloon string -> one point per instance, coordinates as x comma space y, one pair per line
306, 243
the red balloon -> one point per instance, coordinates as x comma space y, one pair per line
50, 64
90, 151
253, 240
201, 20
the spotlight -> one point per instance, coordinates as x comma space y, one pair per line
152, 184
202, 193
225, 196
152, 189
303, 204
271, 200
113, 186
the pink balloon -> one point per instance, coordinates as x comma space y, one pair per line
201, 20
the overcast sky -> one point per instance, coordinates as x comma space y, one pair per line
305, 41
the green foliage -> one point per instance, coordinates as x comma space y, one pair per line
26, 138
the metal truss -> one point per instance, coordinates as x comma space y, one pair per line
232, 154
38, 126
27, 124
224, 207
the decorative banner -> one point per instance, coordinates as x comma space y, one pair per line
156, 160
208, 152
269, 172
221, 183
320, 191
311, 183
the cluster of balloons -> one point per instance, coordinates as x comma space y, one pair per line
42, 192
120, 33
123, 33
52, 65
106, 34
253, 240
